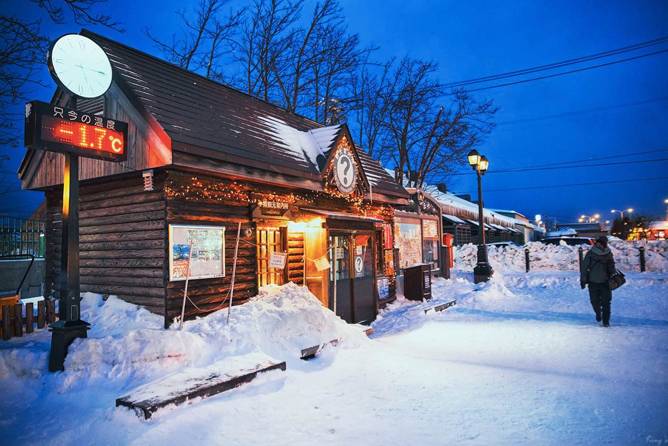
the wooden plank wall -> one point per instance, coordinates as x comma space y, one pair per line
211, 294
145, 149
295, 262
122, 240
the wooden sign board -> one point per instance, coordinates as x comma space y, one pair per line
60, 129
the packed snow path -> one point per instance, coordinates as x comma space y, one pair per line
519, 360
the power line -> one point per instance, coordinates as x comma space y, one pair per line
593, 183
581, 112
598, 158
577, 70
615, 163
572, 164
563, 63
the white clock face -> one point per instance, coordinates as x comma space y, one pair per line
80, 65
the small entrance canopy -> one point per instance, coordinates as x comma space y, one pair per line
341, 215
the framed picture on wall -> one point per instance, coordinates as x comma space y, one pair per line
196, 252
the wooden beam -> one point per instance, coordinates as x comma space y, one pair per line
184, 386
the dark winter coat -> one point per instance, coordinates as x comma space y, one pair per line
598, 265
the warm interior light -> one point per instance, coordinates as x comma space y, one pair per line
483, 164
473, 157
301, 226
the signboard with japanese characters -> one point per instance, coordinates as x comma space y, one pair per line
60, 129
277, 260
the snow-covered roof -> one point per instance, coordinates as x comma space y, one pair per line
658, 224
454, 219
305, 145
563, 232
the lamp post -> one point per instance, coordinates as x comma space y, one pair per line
621, 216
482, 271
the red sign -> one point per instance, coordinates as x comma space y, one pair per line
81, 135
58, 129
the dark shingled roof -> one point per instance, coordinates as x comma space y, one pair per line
232, 126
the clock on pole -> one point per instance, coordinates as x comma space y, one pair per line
82, 70
80, 66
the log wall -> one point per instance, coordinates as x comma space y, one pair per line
212, 294
295, 263
122, 240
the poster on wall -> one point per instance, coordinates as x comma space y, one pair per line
196, 251
430, 229
383, 286
408, 238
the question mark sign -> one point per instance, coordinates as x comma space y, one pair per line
346, 169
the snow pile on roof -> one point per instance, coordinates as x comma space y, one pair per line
548, 257
306, 145
129, 344
658, 224
563, 232
449, 199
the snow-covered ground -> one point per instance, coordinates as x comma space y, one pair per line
564, 257
519, 360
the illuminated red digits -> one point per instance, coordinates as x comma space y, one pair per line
100, 137
82, 140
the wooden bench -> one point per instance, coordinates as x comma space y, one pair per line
441, 307
312, 352
181, 387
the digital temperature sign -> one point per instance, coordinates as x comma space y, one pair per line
59, 129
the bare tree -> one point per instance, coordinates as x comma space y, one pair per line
81, 10
340, 56
372, 94
264, 46
426, 137
187, 49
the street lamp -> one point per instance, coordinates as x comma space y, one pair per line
621, 217
482, 271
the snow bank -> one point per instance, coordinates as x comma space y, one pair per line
563, 257
127, 344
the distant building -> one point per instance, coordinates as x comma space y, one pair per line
460, 218
657, 230
592, 230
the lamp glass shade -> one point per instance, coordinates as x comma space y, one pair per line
473, 157
483, 164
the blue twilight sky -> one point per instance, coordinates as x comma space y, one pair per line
614, 110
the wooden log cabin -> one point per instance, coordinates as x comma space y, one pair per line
206, 163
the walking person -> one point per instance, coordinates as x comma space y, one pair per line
598, 267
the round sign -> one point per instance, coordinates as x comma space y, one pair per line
359, 264
345, 173
80, 66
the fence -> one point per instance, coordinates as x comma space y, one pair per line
19, 237
19, 317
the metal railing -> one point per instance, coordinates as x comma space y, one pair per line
21, 237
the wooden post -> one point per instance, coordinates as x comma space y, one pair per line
580, 258
234, 272
69, 251
642, 259
50, 312
41, 314
18, 320
6, 325
526, 259
29, 317
185, 286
